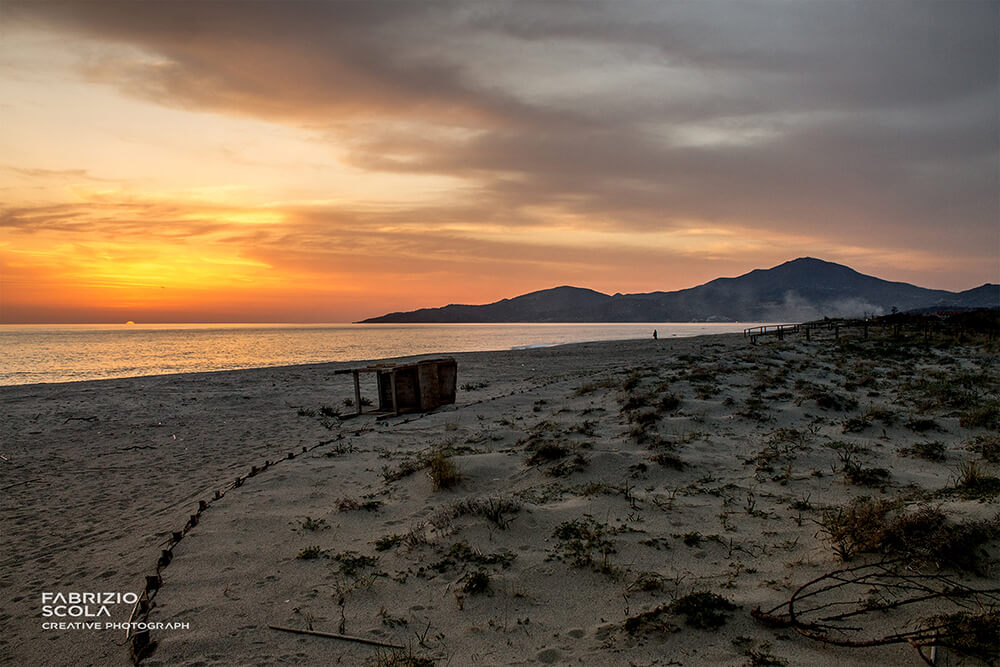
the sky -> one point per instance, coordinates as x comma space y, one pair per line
330, 161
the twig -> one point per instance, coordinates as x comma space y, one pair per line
27, 481
331, 635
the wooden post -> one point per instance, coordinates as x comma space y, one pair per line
357, 391
392, 390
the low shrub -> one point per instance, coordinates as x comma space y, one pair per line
581, 541
668, 460
987, 446
924, 537
929, 451
387, 542
547, 452
313, 525
443, 471
351, 562
703, 610
310, 553
973, 482
983, 415
477, 582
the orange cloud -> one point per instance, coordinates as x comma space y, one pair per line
147, 259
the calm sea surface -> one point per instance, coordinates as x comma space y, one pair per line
67, 353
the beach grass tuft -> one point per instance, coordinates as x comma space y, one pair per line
443, 471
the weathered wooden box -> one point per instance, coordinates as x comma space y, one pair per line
423, 385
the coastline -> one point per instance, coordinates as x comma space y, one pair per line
98, 474
60, 353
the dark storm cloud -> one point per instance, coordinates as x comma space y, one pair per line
288, 60
836, 54
853, 121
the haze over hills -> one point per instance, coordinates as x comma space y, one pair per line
799, 290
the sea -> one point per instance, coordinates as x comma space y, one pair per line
32, 354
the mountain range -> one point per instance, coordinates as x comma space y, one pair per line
799, 290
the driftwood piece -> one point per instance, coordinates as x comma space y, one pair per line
153, 582
834, 609
332, 635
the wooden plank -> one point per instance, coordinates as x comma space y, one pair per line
357, 391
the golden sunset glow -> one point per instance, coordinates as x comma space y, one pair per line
335, 161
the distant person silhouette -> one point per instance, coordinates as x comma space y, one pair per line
654, 334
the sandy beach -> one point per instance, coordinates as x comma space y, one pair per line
633, 502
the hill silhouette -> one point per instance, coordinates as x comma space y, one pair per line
798, 290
